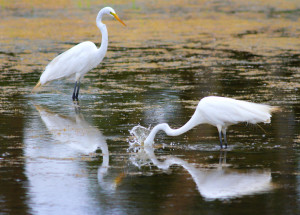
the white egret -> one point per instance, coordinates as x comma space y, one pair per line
220, 112
80, 59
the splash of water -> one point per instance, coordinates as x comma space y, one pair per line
138, 157
139, 134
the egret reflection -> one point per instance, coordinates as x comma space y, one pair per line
83, 138
219, 183
212, 183
56, 166
74, 133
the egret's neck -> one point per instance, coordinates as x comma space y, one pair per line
149, 140
195, 120
104, 42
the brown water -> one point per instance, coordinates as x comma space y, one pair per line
57, 157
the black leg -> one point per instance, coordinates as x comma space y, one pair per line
77, 91
74, 91
220, 136
225, 138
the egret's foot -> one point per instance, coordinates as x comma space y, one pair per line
225, 143
74, 98
223, 149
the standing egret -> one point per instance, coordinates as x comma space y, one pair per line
220, 112
80, 59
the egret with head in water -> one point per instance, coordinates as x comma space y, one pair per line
80, 59
220, 112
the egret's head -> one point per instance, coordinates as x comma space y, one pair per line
110, 11
160, 127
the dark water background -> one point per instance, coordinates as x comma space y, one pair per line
61, 158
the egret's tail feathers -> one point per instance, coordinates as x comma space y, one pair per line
271, 110
37, 86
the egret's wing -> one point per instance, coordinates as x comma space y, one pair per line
78, 59
226, 111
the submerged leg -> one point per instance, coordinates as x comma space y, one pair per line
225, 138
77, 91
220, 135
220, 159
74, 91
77, 109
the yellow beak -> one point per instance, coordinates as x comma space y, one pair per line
117, 18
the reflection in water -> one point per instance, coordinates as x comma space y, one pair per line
219, 183
74, 133
57, 176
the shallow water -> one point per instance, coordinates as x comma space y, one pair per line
61, 157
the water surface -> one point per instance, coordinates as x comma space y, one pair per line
61, 157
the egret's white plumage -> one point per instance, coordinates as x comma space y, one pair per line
80, 59
77, 61
220, 112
